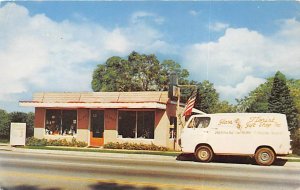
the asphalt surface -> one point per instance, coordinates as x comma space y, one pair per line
48, 169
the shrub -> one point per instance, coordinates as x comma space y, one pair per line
31, 141
134, 146
296, 142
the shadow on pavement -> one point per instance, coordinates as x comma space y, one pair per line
230, 159
116, 186
27, 187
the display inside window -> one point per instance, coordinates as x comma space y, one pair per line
61, 122
139, 124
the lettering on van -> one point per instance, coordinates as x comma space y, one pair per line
262, 122
253, 122
228, 122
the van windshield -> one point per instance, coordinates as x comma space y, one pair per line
199, 122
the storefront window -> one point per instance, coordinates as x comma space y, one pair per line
133, 124
61, 122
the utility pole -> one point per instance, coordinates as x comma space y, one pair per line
174, 92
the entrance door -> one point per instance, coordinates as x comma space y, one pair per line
97, 128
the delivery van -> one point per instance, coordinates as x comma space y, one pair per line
262, 136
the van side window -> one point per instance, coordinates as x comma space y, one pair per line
203, 122
194, 122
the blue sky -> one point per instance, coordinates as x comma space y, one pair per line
54, 46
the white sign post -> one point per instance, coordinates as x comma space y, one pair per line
17, 134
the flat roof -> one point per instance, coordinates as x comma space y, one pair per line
149, 99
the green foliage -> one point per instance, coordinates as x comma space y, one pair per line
296, 142
207, 98
31, 141
4, 124
280, 101
134, 146
287, 92
223, 107
139, 72
257, 100
22, 117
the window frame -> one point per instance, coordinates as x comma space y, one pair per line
136, 124
60, 132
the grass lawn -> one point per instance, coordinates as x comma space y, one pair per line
162, 153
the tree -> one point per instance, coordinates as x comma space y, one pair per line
4, 125
223, 107
166, 68
257, 100
139, 72
24, 118
280, 101
207, 98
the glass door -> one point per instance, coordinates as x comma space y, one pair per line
97, 127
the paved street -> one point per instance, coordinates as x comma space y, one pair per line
77, 170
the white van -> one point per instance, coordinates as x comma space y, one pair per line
260, 135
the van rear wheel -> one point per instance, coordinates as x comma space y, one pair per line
264, 156
204, 154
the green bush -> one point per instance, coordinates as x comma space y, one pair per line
31, 141
134, 146
296, 142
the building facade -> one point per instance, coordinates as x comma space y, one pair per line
98, 118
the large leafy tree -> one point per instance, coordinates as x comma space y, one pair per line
139, 72
22, 117
4, 124
257, 100
280, 100
208, 99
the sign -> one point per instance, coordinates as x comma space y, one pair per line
17, 134
176, 91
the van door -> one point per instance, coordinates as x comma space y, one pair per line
202, 129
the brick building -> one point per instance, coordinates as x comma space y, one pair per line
102, 117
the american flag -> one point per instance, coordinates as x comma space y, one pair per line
190, 104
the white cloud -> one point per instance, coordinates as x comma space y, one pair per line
228, 60
194, 12
240, 89
241, 52
143, 16
218, 26
39, 53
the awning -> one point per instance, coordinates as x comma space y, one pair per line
138, 105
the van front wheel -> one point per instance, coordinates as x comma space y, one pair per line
264, 156
204, 154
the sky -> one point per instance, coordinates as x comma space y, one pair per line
51, 46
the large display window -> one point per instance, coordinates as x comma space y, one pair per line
61, 122
136, 124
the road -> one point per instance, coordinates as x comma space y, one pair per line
36, 171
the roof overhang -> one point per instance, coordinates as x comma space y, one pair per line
145, 105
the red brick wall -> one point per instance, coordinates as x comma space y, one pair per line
83, 118
39, 119
110, 119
